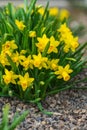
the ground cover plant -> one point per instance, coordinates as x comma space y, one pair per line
39, 53
17, 119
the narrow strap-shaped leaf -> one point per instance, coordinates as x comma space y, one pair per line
59, 90
11, 9
5, 117
13, 65
32, 4
18, 120
45, 11
42, 109
46, 49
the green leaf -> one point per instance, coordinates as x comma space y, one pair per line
18, 120
36, 100
42, 20
81, 48
9, 27
46, 49
13, 65
42, 109
30, 8
4, 124
12, 10
70, 59
59, 90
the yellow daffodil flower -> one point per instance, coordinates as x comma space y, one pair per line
64, 13
32, 34
9, 45
63, 28
20, 25
53, 64
25, 81
53, 45
54, 11
64, 72
3, 59
74, 44
39, 61
41, 10
23, 52
42, 42
9, 77
27, 63
17, 58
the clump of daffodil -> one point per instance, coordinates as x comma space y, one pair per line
39, 53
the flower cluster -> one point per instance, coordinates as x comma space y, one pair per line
39, 54
70, 41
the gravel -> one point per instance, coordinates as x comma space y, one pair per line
69, 108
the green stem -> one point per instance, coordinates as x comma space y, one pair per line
33, 46
25, 5
36, 84
21, 92
46, 85
5, 89
84, 88
42, 109
58, 90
